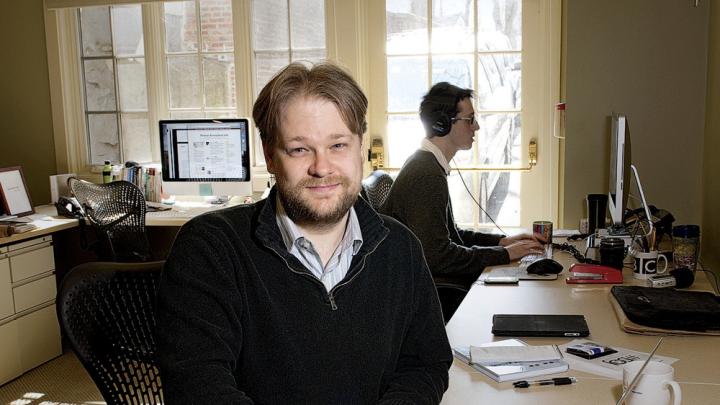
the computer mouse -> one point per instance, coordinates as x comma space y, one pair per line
544, 266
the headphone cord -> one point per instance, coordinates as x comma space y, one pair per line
476, 201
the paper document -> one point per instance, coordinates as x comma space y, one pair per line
504, 354
611, 365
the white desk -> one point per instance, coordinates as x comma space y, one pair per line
697, 371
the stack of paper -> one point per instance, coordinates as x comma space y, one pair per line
512, 359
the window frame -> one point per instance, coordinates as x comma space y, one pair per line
541, 51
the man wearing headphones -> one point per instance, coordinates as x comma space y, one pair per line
420, 198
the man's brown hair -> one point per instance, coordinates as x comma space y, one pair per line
324, 80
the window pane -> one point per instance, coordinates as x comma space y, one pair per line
405, 132
502, 198
307, 20
499, 25
136, 137
180, 27
128, 31
407, 82
184, 82
219, 74
464, 208
95, 30
266, 65
457, 70
103, 134
452, 26
99, 85
186, 115
498, 140
499, 82
221, 114
407, 30
270, 25
216, 25
132, 84
312, 55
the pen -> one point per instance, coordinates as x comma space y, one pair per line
551, 381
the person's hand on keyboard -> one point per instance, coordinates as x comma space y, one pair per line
509, 240
523, 248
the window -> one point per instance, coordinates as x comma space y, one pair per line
285, 31
114, 85
494, 48
200, 59
189, 70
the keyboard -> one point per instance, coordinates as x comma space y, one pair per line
183, 213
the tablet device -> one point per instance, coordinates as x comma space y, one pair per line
539, 325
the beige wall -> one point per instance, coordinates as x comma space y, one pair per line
26, 137
711, 168
647, 59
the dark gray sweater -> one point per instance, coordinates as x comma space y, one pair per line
240, 320
419, 198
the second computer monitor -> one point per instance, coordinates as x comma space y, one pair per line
206, 157
620, 160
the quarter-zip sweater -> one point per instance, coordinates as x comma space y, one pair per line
240, 320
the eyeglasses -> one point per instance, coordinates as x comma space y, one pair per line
472, 120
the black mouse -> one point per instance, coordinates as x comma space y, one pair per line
544, 266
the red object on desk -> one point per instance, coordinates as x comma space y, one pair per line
605, 274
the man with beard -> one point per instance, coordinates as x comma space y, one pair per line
308, 296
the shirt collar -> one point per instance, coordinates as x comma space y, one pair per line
428, 146
291, 233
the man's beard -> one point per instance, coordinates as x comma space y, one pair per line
300, 210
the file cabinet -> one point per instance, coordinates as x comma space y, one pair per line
29, 329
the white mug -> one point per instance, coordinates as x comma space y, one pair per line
656, 385
648, 264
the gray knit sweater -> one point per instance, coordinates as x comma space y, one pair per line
420, 199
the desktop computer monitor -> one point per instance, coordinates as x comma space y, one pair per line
207, 157
620, 159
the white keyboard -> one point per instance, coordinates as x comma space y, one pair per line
181, 213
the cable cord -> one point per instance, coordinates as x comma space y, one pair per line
476, 201
715, 276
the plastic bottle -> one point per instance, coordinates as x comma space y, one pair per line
107, 172
559, 121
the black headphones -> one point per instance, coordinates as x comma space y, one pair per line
440, 116
439, 107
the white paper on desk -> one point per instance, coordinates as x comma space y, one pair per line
504, 354
611, 365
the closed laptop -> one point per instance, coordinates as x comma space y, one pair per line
539, 325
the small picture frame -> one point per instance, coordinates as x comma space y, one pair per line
14, 194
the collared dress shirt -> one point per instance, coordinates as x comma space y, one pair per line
302, 248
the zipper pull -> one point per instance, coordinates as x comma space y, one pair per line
332, 302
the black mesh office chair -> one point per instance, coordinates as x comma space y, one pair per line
106, 311
117, 211
451, 294
376, 187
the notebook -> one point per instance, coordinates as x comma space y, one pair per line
539, 325
512, 370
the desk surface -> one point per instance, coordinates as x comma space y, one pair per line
697, 370
48, 221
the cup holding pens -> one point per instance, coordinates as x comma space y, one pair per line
648, 264
655, 387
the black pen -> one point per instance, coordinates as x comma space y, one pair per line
551, 381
